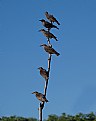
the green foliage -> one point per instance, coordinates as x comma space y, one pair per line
14, 118
78, 117
64, 117
53, 118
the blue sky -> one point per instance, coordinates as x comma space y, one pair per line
72, 83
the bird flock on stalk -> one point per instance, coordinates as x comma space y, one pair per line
48, 48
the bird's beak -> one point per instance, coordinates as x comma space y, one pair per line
40, 20
41, 45
32, 92
39, 31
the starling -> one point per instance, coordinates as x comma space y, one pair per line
48, 34
48, 25
43, 73
40, 96
49, 49
51, 18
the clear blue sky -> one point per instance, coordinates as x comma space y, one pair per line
72, 84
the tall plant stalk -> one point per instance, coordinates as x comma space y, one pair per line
41, 105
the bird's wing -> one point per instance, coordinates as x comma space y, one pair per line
44, 71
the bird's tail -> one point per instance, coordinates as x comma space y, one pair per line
57, 22
57, 53
55, 38
46, 101
55, 27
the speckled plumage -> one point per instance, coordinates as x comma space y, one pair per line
51, 18
43, 73
40, 96
48, 34
50, 50
48, 24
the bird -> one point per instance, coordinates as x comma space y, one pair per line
48, 34
40, 96
51, 18
48, 24
44, 73
49, 49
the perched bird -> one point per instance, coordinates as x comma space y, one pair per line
40, 96
48, 25
49, 49
43, 73
48, 34
51, 18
